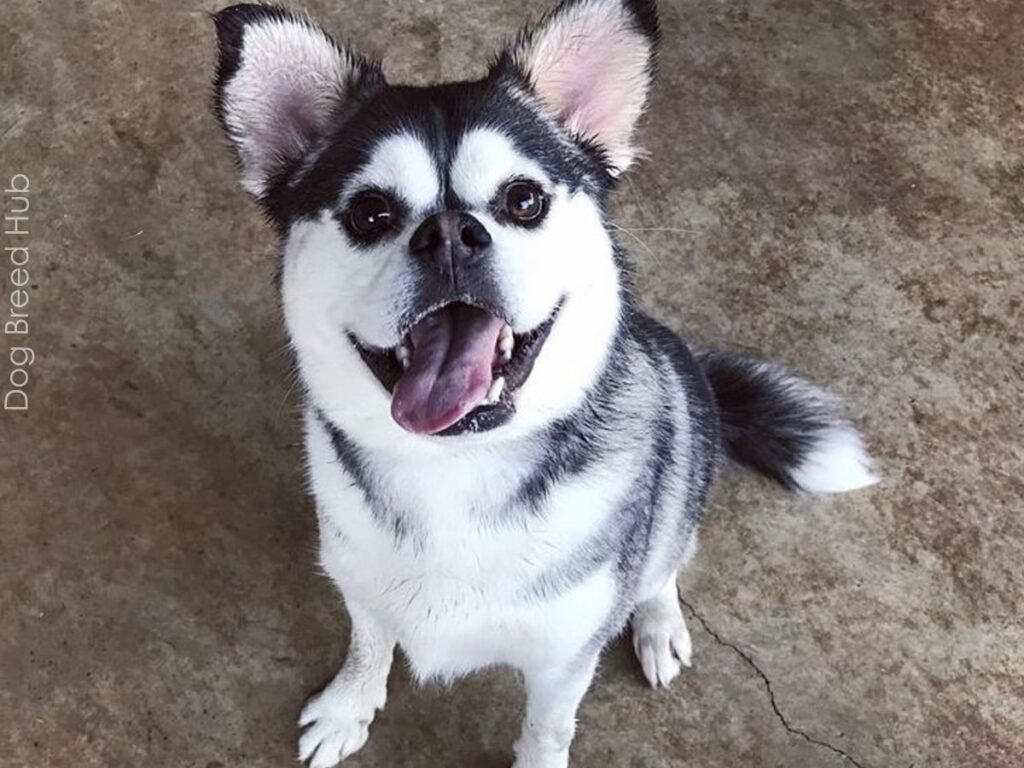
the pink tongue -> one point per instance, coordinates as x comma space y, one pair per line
450, 370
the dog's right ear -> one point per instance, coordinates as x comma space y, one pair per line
280, 81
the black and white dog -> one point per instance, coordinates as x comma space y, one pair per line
510, 459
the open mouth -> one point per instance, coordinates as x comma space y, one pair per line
457, 369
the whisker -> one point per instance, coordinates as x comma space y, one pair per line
681, 230
644, 245
296, 380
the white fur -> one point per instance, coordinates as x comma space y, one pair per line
483, 161
459, 574
338, 719
553, 694
290, 79
837, 463
591, 68
455, 592
403, 165
660, 638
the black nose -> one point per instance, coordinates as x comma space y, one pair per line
449, 238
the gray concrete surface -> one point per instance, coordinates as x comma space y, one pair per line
837, 184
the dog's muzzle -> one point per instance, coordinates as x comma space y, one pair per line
451, 254
459, 363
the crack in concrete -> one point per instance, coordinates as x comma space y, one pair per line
771, 691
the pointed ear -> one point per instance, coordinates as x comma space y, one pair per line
590, 62
280, 81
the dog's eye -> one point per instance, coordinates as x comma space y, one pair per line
525, 202
370, 214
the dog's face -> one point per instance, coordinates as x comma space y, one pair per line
447, 267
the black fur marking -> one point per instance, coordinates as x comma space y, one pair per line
570, 452
645, 15
679, 374
583, 562
355, 465
701, 406
587, 438
439, 115
703, 417
576, 441
475, 283
626, 540
770, 423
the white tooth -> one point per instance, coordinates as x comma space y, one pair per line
496, 388
403, 354
506, 342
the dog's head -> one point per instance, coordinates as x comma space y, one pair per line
446, 262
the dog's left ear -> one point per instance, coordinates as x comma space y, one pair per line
281, 80
590, 63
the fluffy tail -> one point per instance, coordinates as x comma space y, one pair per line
784, 427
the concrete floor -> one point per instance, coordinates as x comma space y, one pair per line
834, 183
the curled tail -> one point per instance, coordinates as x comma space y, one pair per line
783, 427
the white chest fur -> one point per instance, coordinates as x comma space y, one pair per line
461, 585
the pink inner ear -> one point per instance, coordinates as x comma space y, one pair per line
589, 91
290, 78
292, 118
294, 111
591, 69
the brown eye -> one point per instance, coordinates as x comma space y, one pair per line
525, 202
369, 215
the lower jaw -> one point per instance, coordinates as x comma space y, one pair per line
483, 418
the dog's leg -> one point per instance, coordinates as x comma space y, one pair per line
660, 637
337, 720
552, 698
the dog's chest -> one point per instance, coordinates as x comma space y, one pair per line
462, 578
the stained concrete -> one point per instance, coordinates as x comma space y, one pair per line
837, 185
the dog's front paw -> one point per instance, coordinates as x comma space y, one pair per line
661, 641
337, 725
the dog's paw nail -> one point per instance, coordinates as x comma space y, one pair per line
336, 727
662, 644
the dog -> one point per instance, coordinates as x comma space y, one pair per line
510, 458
